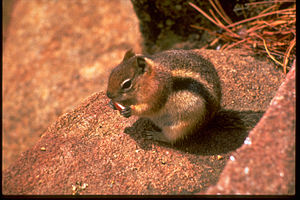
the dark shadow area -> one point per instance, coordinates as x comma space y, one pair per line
225, 133
7, 8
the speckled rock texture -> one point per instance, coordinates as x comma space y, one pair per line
56, 54
265, 164
94, 150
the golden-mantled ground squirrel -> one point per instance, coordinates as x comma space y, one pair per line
177, 89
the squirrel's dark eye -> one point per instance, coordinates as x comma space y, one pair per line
125, 85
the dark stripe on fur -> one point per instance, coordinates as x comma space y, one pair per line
195, 87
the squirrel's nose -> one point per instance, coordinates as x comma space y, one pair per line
109, 95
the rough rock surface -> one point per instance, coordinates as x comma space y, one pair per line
265, 164
87, 152
56, 54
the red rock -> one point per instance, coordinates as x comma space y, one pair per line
265, 164
56, 54
88, 146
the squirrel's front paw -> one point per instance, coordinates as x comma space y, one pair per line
126, 112
112, 105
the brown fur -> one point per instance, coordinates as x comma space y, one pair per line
177, 89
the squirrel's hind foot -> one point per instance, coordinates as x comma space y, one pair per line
156, 136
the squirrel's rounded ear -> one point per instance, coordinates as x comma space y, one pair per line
144, 64
129, 53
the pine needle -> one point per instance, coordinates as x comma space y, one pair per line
278, 27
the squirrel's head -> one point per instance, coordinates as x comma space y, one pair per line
128, 77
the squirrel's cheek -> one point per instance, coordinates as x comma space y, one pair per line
133, 110
132, 107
